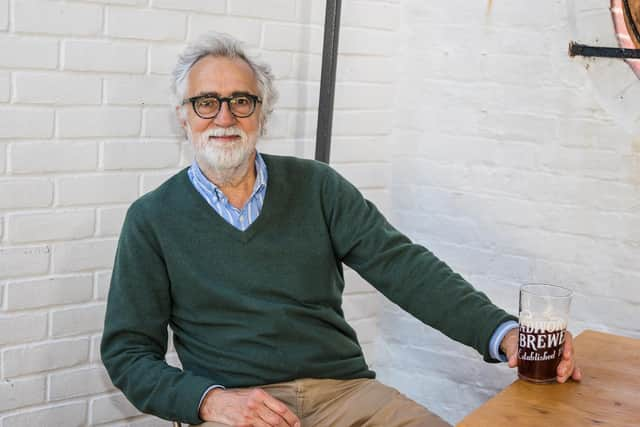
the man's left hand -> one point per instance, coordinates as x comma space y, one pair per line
567, 367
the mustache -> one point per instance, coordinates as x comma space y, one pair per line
230, 131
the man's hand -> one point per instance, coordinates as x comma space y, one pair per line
567, 367
246, 408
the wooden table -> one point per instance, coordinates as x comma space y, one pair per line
608, 395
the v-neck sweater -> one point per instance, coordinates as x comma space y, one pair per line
262, 306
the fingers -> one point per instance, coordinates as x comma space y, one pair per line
272, 411
509, 347
567, 368
282, 410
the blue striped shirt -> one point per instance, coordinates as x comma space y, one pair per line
239, 218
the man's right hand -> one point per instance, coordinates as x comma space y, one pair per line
246, 408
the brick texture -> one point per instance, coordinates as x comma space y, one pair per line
511, 164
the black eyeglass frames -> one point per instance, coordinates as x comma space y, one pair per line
208, 106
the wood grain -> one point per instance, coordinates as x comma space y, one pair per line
608, 395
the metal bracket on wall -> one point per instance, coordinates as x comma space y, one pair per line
577, 49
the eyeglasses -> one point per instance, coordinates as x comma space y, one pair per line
208, 106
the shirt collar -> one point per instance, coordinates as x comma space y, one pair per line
259, 185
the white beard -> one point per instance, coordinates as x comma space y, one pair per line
226, 161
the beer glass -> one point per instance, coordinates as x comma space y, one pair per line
544, 313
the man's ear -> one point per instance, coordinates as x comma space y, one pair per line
182, 117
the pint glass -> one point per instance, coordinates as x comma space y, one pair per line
544, 313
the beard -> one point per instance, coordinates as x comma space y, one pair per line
226, 160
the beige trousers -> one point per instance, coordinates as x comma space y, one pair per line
349, 403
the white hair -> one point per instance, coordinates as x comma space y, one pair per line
226, 46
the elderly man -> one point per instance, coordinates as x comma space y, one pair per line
241, 254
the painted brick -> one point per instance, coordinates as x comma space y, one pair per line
28, 52
79, 256
3, 161
40, 227
68, 415
43, 157
363, 96
208, 6
280, 62
372, 15
97, 122
354, 41
75, 321
141, 155
27, 193
360, 306
365, 149
80, 382
111, 408
365, 69
97, 189
151, 181
4, 15
107, 55
366, 175
147, 90
22, 328
247, 30
24, 261
36, 358
365, 328
361, 123
292, 37
283, 10
146, 24
125, 2
110, 220
26, 123
103, 280
161, 122
163, 58
95, 349
37, 16
22, 392
298, 95
57, 88
5, 86
48, 292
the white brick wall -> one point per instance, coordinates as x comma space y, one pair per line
85, 129
513, 162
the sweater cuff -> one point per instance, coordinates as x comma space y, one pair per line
496, 339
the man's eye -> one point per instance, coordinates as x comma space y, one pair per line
242, 100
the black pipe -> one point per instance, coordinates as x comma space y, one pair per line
328, 80
602, 52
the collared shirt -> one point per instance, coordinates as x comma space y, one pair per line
239, 218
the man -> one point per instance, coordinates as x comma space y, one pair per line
241, 254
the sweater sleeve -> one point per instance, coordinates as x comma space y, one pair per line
407, 273
134, 342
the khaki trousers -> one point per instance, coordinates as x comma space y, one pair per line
349, 403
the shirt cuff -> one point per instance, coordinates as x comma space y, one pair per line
496, 339
207, 391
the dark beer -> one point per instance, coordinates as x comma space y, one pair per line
540, 345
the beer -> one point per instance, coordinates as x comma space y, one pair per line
544, 312
540, 345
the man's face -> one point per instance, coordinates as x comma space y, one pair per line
225, 141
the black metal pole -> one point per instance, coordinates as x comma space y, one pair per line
328, 80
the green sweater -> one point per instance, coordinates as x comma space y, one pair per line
264, 306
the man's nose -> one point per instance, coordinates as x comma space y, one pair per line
224, 117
